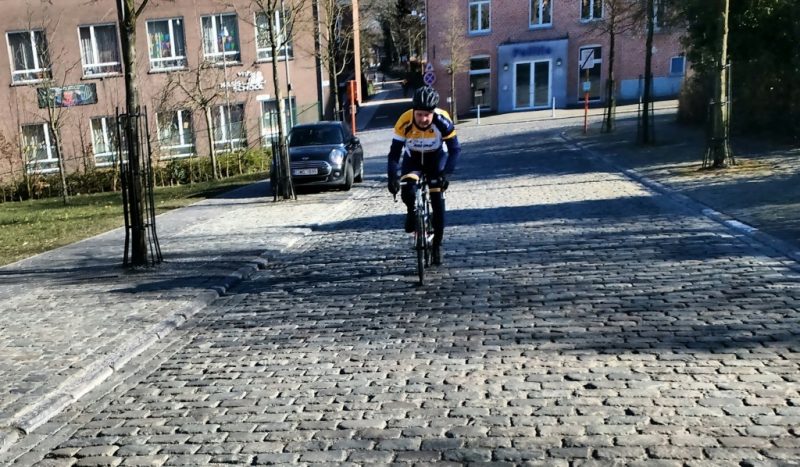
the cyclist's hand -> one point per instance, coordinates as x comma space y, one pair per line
444, 180
394, 186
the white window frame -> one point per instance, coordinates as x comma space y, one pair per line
263, 54
179, 59
479, 4
269, 132
592, 15
220, 56
19, 76
582, 73
188, 145
683, 65
539, 4
107, 124
228, 144
115, 68
48, 145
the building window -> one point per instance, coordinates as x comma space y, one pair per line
283, 33
104, 141
221, 38
591, 57
677, 66
37, 147
99, 50
30, 60
660, 14
167, 44
269, 117
479, 15
591, 10
229, 129
175, 134
541, 13
479, 79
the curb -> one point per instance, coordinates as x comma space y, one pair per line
782, 247
96, 372
76, 386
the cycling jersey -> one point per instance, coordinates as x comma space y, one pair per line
411, 141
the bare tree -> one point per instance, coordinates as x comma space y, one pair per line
646, 133
718, 147
192, 90
275, 24
620, 17
455, 46
53, 95
128, 12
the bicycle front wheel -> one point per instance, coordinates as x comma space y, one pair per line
420, 247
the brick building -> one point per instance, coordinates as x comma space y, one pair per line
187, 50
525, 54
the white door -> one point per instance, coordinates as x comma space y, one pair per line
532, 84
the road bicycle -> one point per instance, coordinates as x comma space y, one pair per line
423, 224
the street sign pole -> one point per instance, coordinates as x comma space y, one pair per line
586, 87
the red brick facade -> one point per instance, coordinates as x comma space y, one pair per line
68, 25
549, 54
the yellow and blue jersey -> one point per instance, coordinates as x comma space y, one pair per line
411, 141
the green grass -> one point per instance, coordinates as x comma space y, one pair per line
31, 227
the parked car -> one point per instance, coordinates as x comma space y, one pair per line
325, 154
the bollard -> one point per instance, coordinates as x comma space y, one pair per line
479, 114
553, 114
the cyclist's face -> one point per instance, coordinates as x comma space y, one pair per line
423, 118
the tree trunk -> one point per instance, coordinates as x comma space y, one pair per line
453, 106
609, 123
212, 149
287, 188
719, 145
62, 170
648, 76
127, 20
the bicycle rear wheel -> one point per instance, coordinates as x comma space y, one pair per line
421, 247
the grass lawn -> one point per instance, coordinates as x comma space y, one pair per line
31, 227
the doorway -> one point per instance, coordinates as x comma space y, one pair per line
532, 84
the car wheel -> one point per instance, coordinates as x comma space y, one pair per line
360, 177
348, 178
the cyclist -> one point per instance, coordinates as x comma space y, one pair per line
429, 131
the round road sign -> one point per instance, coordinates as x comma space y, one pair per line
429, 78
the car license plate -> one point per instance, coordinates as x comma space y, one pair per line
304, 172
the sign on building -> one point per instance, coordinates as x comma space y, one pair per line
67, 96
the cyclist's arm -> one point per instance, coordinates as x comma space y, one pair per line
398, 143
395, 151
448, 130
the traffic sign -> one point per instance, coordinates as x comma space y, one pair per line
587, 58
429, 78
429, 68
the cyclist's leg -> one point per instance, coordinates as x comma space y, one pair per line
410, 170
432, 170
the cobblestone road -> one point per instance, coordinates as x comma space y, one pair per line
579, 320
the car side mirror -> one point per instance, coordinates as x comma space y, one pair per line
355, 140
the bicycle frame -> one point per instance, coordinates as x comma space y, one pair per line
423, 224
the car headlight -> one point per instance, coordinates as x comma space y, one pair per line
337, 157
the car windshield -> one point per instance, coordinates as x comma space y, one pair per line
308, 136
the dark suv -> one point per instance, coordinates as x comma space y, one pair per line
324, 153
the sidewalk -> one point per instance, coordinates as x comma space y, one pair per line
759, 196
73, 316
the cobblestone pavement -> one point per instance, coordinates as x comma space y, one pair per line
580, 320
